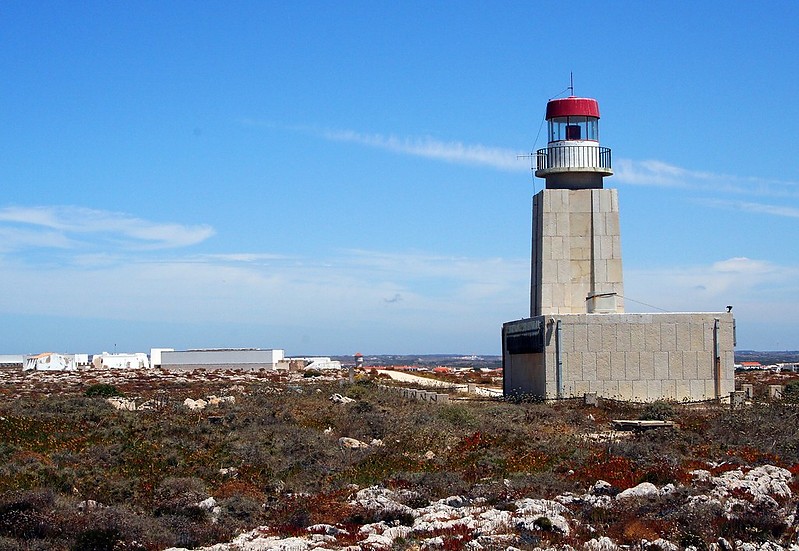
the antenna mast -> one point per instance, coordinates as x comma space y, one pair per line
571, 83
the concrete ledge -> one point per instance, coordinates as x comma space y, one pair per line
544, 172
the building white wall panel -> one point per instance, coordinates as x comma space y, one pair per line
221, 359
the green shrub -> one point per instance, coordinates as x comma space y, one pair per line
103, 390
96, 539
457, 414
27, 515
543, 523
241, 508
657, 411
791, 392
689, 539
357, 391
180, 496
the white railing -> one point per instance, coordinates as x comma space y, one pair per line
573, 156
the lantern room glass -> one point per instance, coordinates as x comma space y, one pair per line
576, 127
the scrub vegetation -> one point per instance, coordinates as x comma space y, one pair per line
78, 474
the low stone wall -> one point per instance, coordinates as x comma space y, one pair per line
418, 394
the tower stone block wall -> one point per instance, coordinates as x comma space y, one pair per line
636, 357
576, 252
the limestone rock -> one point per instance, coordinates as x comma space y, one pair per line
195, 405
346, 443
339, 399
645, 489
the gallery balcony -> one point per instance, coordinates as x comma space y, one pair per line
556, 159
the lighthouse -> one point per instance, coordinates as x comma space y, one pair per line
578, 340
576, 245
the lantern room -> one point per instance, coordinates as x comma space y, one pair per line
573, 158
573, 119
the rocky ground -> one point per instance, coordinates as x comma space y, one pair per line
457, 522
16, 384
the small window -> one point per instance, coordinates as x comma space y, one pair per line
592, 130
573, 127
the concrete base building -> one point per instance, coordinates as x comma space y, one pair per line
635, 357
578, 340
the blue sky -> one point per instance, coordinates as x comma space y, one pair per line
332, 177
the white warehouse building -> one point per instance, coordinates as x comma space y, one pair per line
219, 358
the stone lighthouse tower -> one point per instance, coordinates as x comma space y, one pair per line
578, 340
576, 256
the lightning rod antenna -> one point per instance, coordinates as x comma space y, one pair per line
571, 83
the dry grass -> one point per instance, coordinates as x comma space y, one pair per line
148, 471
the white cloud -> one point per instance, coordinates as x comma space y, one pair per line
764, 296
247, 257
60, 226
12, 239
755, 208
658, 173
359, 286
424, 146
404, 291
662, 174
745, 266
358, 295
761, 291
649, 172
428, 266
452, 152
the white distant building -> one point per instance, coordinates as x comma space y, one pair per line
222, 358
50, 361
12, 360
155, 355
320, 363
136, 360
